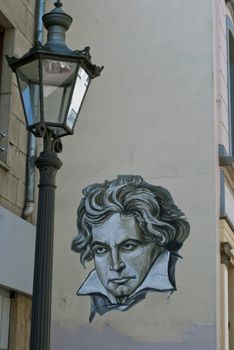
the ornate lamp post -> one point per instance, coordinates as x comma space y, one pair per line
53, 81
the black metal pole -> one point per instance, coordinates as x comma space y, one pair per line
48, 163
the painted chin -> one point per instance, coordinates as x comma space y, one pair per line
121, 291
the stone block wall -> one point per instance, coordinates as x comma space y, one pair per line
18, 20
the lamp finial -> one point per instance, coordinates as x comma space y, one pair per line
58, 4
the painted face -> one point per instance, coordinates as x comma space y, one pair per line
122, 258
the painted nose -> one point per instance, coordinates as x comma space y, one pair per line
116, 263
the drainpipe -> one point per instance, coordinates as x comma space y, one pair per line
31, 154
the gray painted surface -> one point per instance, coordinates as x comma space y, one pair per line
150, 113
17, 244
200, 337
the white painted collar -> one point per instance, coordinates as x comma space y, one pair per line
157, 279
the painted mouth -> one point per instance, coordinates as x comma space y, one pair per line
121, 280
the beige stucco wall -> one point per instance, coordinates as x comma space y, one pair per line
150, 113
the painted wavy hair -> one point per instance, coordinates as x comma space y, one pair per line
152, 207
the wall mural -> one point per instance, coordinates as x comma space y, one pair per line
133, 231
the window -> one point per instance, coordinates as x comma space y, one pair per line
4, 318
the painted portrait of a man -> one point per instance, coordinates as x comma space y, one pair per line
133, 232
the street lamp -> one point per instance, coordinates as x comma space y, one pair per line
53, 81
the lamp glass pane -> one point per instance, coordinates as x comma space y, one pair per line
81, 86
28, 79
58, 78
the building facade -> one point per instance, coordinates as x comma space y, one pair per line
163, 110
17, 236
224, 105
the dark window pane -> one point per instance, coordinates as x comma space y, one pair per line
28, 77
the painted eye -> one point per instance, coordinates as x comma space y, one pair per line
100, 250
129, 246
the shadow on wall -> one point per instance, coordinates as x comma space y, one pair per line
86, 338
